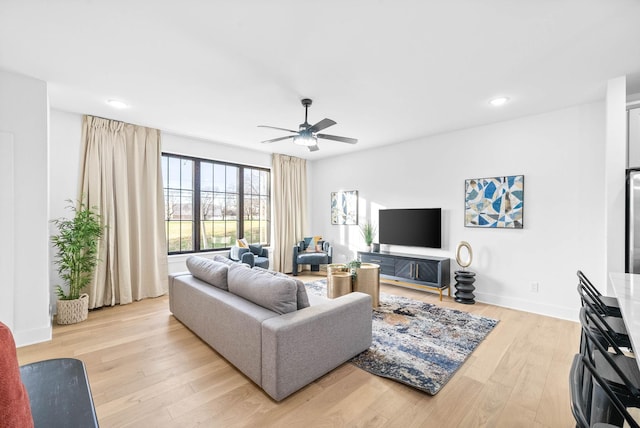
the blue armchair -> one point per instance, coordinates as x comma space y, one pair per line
255, 255
304, 256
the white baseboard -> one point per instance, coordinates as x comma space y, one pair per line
30, 337
556, 311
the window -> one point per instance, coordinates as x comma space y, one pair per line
210, 204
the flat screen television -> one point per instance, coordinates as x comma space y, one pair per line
413, 227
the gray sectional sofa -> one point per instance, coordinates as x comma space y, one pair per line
264, 323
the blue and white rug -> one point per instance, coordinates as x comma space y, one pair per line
416, 343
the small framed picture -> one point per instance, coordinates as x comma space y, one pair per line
344, 207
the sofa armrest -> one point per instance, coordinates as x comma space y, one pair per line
236, 253
329, 249
248, 258
301, 346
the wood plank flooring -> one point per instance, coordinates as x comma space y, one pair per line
147, 370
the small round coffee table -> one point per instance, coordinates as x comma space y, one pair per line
338, 284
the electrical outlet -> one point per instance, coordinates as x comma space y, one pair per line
534, 287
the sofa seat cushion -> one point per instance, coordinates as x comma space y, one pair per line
313, 258
209, 271
274, 293
262, 262
301, 290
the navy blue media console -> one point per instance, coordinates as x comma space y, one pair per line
410, 270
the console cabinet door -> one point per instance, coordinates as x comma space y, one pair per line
405, 268
426, 271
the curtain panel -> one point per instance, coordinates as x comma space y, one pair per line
121, 177
289, 208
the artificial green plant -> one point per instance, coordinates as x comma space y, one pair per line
77, 249
368, 231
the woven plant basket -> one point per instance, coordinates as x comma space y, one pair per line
73, 311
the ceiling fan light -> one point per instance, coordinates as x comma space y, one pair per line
305, 140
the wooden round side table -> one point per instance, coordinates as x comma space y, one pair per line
338, 284
368, 281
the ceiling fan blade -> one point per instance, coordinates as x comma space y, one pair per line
275, 127
336, 138
273, 140
314, 148
324, 123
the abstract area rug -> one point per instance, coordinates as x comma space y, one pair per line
416, 343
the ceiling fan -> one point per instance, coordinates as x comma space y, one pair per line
307, 135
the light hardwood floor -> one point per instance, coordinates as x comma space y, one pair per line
147, 370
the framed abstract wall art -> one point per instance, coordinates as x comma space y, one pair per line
344, 207
495, 202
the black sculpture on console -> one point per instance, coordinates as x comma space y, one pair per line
464, 278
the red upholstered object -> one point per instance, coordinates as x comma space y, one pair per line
15, 411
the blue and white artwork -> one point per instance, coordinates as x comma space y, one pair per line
344, 207
495, 202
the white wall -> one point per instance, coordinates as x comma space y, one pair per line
23, 124
65, 133
561, 156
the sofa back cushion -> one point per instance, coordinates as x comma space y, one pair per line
209, 271
256, 249
15, 410
301, 290
223, 259
274, 293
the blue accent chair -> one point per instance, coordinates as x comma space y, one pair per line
255, 255
315, 258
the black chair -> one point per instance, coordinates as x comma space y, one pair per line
606, 304
613, 325
619, 371
580, 388
581, 382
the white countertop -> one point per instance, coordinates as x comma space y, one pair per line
626, 287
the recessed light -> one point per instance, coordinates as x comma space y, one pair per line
499, 101
117, 104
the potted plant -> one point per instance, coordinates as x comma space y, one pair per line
353, 266
368, 231
76, 258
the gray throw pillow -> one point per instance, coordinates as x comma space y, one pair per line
255, 249
263, 289
223, 259
301, 290
209, 271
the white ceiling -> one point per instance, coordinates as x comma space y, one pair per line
386, 71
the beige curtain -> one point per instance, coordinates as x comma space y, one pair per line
121, 176
289, 208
